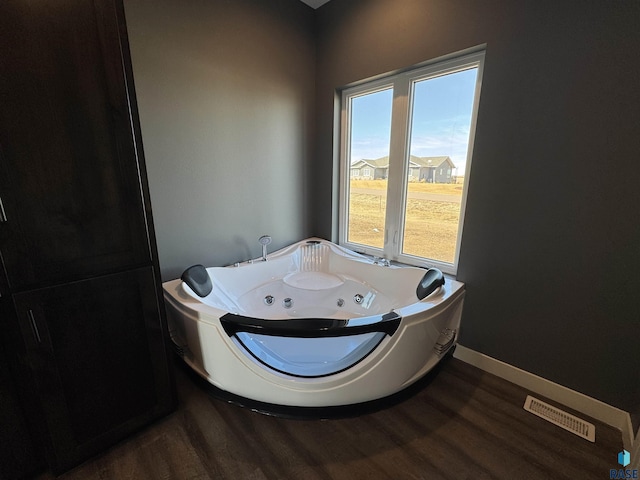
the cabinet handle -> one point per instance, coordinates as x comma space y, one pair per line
3, 215
34, 326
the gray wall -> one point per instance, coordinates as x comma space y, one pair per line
550, 252
226, 98
551, 245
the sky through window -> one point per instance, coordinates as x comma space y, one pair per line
441, 119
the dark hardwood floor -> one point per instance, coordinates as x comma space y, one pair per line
462, 424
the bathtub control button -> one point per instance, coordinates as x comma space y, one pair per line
268, 300
340, 302
287, 302
358, 298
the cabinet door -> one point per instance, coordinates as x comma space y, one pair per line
69, 168
97, 352
18, 455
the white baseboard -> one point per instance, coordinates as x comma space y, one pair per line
577, 401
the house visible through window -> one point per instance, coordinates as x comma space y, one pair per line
410, 135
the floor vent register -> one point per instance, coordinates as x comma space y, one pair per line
563, 419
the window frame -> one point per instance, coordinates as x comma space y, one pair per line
399, 169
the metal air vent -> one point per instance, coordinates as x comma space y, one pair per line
561, 418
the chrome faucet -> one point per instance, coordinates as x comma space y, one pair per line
381, 261
264, 241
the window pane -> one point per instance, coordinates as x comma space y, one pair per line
441, 121
370, 127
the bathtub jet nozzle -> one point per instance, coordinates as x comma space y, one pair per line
264, 240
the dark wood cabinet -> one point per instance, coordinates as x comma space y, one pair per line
97, 353
19, 456
79, 261
69, 179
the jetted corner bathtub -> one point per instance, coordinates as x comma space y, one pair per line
316, 325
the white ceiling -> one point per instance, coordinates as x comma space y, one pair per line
315, 3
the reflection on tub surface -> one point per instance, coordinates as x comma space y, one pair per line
315, 325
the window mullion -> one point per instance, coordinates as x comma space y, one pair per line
397, 169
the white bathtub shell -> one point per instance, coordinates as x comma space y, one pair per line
397, 362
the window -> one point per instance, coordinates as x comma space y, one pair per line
418, 127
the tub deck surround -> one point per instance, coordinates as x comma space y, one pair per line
315, 325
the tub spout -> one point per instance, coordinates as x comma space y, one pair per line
381, 261
264, 241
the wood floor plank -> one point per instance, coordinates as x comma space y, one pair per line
463, 424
